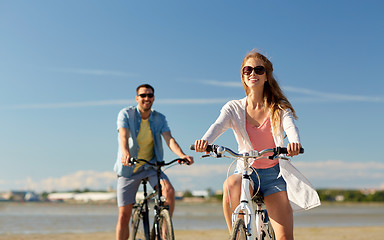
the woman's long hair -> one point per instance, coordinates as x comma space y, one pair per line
274, 97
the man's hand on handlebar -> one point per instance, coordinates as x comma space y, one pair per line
189, 160
125, 160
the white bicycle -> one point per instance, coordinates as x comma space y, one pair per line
248, 223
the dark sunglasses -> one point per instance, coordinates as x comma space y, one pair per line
259, 70
144, 95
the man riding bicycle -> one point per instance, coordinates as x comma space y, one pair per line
140, 129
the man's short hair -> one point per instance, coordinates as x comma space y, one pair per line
144, 86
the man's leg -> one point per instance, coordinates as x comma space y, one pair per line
122, 227
126, 194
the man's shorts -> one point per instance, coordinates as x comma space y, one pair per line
269, 183
127, 187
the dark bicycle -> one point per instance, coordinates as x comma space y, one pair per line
162, 228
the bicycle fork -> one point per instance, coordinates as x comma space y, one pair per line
145, 213
245, 207
262, 223
259, 221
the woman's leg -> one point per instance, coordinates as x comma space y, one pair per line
280, 214
233, 183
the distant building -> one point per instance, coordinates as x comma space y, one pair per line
95, 197
201, 193
32, 197
60, 197
15, 195
83, 197
339, 198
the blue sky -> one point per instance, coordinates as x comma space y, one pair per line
68, 67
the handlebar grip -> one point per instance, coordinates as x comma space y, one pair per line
283, 150
181, 160
209, 148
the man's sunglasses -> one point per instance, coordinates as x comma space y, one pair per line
259, 70
144, 95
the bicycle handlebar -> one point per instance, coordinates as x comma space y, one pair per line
219, 150
159, 164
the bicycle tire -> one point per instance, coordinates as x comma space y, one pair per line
270, 234
270, 231
137, 226
239, 231
165, 226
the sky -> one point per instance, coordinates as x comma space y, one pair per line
68, 67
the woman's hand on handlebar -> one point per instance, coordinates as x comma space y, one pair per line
293, 149
201, 146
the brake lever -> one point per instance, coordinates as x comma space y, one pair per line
215, 155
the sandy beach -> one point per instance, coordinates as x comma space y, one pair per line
337, 233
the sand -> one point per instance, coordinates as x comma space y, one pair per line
336, 233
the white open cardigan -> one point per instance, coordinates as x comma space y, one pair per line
301, 193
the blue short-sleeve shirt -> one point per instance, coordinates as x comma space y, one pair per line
130, 118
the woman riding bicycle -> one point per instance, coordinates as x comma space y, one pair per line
259, 121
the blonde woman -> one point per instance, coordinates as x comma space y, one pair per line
260, 121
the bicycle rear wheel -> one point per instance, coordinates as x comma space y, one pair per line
164, 227
137, 229
239, 230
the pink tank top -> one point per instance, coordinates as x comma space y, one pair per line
261, 138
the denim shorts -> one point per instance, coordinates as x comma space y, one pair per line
127, 187
269, 183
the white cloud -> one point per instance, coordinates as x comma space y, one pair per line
122, 102
333, 96
72, 104
312, 95
78, 180
189, 101
198, 170
308, 95
222, 84
97, 72
336, 173
328, 174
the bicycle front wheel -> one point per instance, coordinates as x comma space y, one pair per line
137, 229
239, 231
269, 233
163, 228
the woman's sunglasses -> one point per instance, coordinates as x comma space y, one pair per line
259, 70
144, 95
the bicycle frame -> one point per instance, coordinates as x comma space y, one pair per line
145, 209
159, 206
255, 221
244, 208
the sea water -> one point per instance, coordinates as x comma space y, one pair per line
44, 218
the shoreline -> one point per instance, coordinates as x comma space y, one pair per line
300, 233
